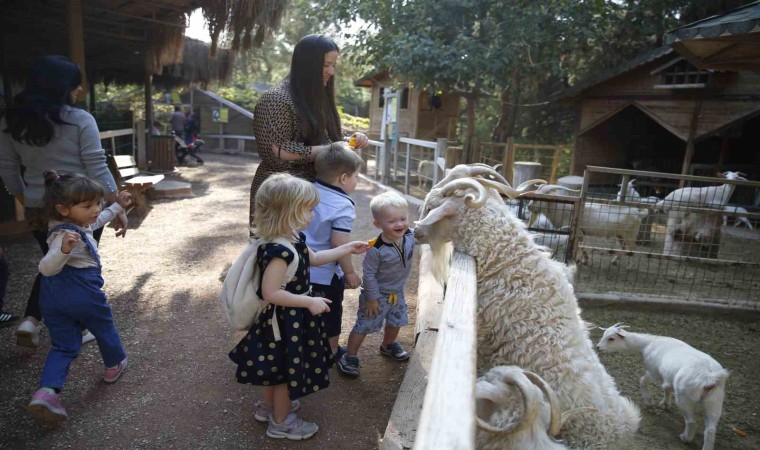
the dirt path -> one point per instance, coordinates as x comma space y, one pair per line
179, 391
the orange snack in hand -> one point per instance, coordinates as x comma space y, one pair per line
352, 142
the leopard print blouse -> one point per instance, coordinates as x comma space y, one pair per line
275, 122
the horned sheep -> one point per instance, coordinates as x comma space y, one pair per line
519, 406
528, 315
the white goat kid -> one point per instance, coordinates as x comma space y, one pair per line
621, 223
528, 315
738, 220
694, 376
517, 410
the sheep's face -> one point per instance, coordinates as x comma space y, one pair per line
613, 340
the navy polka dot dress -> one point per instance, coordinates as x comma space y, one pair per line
302, 357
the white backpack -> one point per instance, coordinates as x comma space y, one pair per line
240, 302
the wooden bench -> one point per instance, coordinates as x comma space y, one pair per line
128, 177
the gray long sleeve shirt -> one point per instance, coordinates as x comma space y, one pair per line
385, 269
74, 148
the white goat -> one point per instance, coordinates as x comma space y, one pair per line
527, 313
608, 221
695, 227
503, 424
708, 196
556, 243
739, 219
634, 197
695, 377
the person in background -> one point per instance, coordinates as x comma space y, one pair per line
155, 130
297, 119
43, 130
178, 122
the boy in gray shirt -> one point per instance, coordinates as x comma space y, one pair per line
387, 265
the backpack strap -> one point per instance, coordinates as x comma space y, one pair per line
289, 273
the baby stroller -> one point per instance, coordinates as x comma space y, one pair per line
182, 150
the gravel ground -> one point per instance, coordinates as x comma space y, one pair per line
179, 390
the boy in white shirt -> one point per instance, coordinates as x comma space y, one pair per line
337, 175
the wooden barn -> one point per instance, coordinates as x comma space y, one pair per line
421, 114
663, 114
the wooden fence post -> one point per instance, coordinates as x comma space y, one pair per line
509, 160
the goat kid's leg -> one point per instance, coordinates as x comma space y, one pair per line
689, 410
667, 391
713, 407
643, 388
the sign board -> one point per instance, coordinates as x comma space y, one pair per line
220, 115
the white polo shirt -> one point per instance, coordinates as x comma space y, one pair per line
335, 212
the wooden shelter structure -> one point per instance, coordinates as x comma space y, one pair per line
420, 114
138, 42
729, 41
661, 113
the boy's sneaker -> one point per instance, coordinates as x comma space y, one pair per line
28, 335
394, 350
292, 427
46, 407
339, 353
113, 373
263, 411
349, 365
87, 337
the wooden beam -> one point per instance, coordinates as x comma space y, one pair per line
689, 153
148, 107
75, 27
136, 17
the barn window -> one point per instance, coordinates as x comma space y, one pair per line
404, 103
381, 100
680, 74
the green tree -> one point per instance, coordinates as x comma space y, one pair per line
509, 52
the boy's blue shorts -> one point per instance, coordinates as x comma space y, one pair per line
395, 316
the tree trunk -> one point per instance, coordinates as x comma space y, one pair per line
505, 126
472, 100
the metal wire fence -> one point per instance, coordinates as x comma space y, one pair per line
677, 247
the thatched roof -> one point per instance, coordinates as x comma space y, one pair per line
126, 39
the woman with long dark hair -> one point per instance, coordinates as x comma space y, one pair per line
297, 119
42, 130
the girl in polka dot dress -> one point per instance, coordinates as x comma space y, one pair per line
286, 350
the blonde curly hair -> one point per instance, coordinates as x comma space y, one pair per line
283, 205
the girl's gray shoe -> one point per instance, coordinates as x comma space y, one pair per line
263, 411
292, 427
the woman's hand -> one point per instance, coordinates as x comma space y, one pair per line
69, 241
361, 140
124, 199
319, 305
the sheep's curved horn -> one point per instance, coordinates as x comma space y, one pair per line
556, 420
506, 189
470, 199
547, 188
469, 171
530, 408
